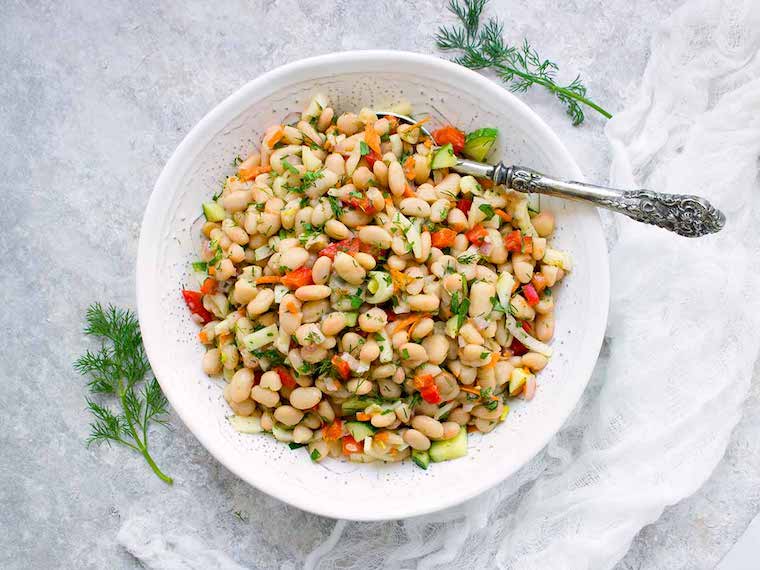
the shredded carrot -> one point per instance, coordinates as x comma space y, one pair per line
245, 174
494, 360
428, 143
362, 417
503, 215
241, 311
419, 123
515, 286
470, 390
399, 279
486, 183
223, 336
388, 202
266, 279
372, 138
203, 337
276, 136
404, 323
409, 168
211, 270
408, 192
471, 429
292, 307
394, 451
393, 121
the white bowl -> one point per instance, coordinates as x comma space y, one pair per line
194, 173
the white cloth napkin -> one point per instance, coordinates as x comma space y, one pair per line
684, 334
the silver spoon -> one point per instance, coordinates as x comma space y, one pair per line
684, 214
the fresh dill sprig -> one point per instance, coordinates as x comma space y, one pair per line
118, 368
484, 47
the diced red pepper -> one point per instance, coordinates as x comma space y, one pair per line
449, 134
391, 315
350, 246
527, 327
513, 241
194, 302
285, 377
341, 367
209, 286
431, 394
443, 238
517, 348
298, 278
333, 431
531, 295
527, 246
364, 204
428, 388
350, 445
464, 204
476, 235
423, 381
371, 158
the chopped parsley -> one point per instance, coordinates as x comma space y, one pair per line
405, 354
237, 161
293, 445
335, 206
459, 307
484, 355
468, 259
310, 178
487, 209
356, 300
315, 455
275, 357
201, 266
363, 148
289, 167
309, 232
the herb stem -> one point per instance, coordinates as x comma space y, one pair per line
551, 86
142, 444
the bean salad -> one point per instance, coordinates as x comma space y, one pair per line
362, 300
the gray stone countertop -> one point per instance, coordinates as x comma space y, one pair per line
94, 97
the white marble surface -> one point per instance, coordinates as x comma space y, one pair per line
93, 99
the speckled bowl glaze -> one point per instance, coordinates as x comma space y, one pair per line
195, 172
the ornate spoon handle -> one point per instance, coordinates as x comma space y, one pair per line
686, 215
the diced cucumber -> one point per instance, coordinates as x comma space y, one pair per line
468, 185
214, 211
444, 157
281, 433
353, 405
360, 430
452, 327
517, 380
558, 258
351, 318
449, 449
421, 458
386, 349
478, 143
261, 337
504, 285
243, 424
